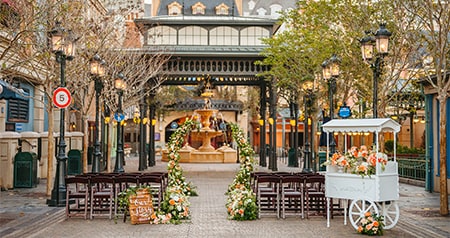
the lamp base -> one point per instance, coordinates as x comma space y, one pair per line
54, 201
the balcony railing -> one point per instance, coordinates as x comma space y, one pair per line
412, 167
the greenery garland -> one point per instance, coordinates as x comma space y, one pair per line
175, 206
241, 202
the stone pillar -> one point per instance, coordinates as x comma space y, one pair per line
39, 109
9, 145
43, 163
76, 141
2, 115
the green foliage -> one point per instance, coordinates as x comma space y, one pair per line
175, 206
389, 148
241, 202
316, 30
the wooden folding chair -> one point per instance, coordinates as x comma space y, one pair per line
77, 196
314, 189
102, 196
267, 194
292, 195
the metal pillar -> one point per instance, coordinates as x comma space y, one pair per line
262, 134
58, 196
331, 90
118, 168
307, 150
273, 115
143, 135
151, 149
97, 152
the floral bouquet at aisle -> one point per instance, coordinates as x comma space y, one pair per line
371, 225
241, 202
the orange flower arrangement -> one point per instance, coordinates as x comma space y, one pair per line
358, 160
371, 225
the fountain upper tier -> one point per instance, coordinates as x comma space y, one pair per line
206, 133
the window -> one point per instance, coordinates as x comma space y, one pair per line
223, 35
222, 9
162, 35
275, 10
18, 109
174, 9
252, 35
193, 35
198, 9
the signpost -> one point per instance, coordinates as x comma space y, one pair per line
61, 97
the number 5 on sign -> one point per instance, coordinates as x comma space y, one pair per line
61, 97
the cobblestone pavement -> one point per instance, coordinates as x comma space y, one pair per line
23, 213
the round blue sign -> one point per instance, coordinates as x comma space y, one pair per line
344, 112
119, 116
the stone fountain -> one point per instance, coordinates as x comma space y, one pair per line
206, 153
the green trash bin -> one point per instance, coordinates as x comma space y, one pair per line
322, 159
25, 170
74, 162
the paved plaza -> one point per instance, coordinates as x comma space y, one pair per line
23, 213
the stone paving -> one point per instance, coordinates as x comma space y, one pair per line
23, 213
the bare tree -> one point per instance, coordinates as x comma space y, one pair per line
433, 17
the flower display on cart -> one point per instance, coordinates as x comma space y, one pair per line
241, 202
371, 225
358, 160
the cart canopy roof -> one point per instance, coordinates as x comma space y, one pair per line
361, 125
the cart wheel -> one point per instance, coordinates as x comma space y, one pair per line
357, 210
390, 212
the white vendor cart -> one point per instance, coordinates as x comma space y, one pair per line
377, 193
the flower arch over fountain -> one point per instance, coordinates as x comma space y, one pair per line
206, 153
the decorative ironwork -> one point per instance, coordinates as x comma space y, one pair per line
222, 105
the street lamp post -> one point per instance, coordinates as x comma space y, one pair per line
294, 131
120, 85
308, 98
330, 71
382, 44
64, 48
98, 71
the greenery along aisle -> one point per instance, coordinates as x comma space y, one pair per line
241, 202
175, 205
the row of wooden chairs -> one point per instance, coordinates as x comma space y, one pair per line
95, 194
283, 192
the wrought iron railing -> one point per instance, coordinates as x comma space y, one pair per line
412, 167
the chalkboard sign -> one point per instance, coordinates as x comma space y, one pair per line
141, 206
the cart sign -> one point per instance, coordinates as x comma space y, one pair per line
62, 97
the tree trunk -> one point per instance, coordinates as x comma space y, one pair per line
51, 150
443, 156
85, 126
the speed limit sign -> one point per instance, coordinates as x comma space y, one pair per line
61, 97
